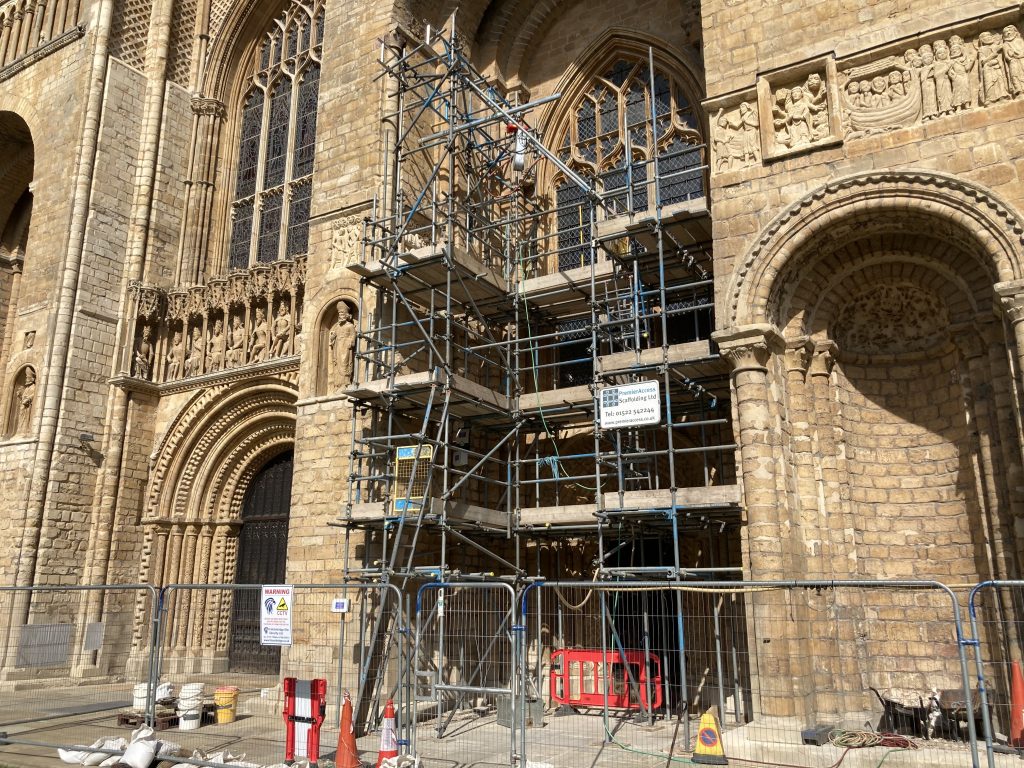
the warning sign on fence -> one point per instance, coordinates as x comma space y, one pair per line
276, 603
631, 405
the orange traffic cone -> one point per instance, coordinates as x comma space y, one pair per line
348, 754
1016, 705
388, 739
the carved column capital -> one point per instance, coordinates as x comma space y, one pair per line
1011, 299
204, 106
969, 340
750, 347
798, 355
824, 358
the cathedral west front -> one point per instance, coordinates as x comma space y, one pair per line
301, 291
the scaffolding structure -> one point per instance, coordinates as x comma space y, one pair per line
508, 301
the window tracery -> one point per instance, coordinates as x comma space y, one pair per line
271, 202
624, 125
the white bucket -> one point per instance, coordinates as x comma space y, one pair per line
139, 695
190, 706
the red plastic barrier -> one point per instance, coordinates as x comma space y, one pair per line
578, 678
305, 705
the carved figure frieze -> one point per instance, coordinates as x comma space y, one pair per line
221, 325
937, 78
736, 138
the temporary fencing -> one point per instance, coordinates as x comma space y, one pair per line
351, 636
795, 673
996, 610
571, 674
74, 661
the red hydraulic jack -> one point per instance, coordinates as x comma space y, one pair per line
305, 706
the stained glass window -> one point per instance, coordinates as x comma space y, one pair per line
277, 141
618, 129
305, 121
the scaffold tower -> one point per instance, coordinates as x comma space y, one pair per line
535, 393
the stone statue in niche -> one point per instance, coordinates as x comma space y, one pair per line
282, 330
260, 336
196, 353
737, 140
24, 397
30, 340
215, 349
342, 343
800, 114
235, 355
142, 365
175, 357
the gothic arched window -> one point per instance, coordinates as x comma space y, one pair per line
273, 181
616, 131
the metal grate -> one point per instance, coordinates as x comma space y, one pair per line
44, 645
410, 490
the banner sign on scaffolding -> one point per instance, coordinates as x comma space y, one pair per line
276, 602
631, 405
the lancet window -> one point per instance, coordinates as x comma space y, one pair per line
277, 138
624, 130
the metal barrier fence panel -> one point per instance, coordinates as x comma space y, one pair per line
626, 672
73, 662
573, 674
465, 654
996, 610
210, 636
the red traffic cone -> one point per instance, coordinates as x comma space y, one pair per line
348, 754
388, 739
1016, 705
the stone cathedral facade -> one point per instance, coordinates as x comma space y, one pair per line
183, 185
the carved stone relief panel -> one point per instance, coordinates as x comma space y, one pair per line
797, 108
940, 77
736, 137
345, 236
890, 320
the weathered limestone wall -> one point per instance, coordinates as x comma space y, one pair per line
49, 97
73, 473
912, 489
345, 178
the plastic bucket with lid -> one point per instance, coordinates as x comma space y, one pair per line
139, 695
190, 706
226, 697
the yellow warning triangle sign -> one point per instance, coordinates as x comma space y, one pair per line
708, 750
282, 605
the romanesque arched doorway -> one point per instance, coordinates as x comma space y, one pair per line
262, 545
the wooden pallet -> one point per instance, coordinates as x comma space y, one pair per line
134, 720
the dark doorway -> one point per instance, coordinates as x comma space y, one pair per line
262, 545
